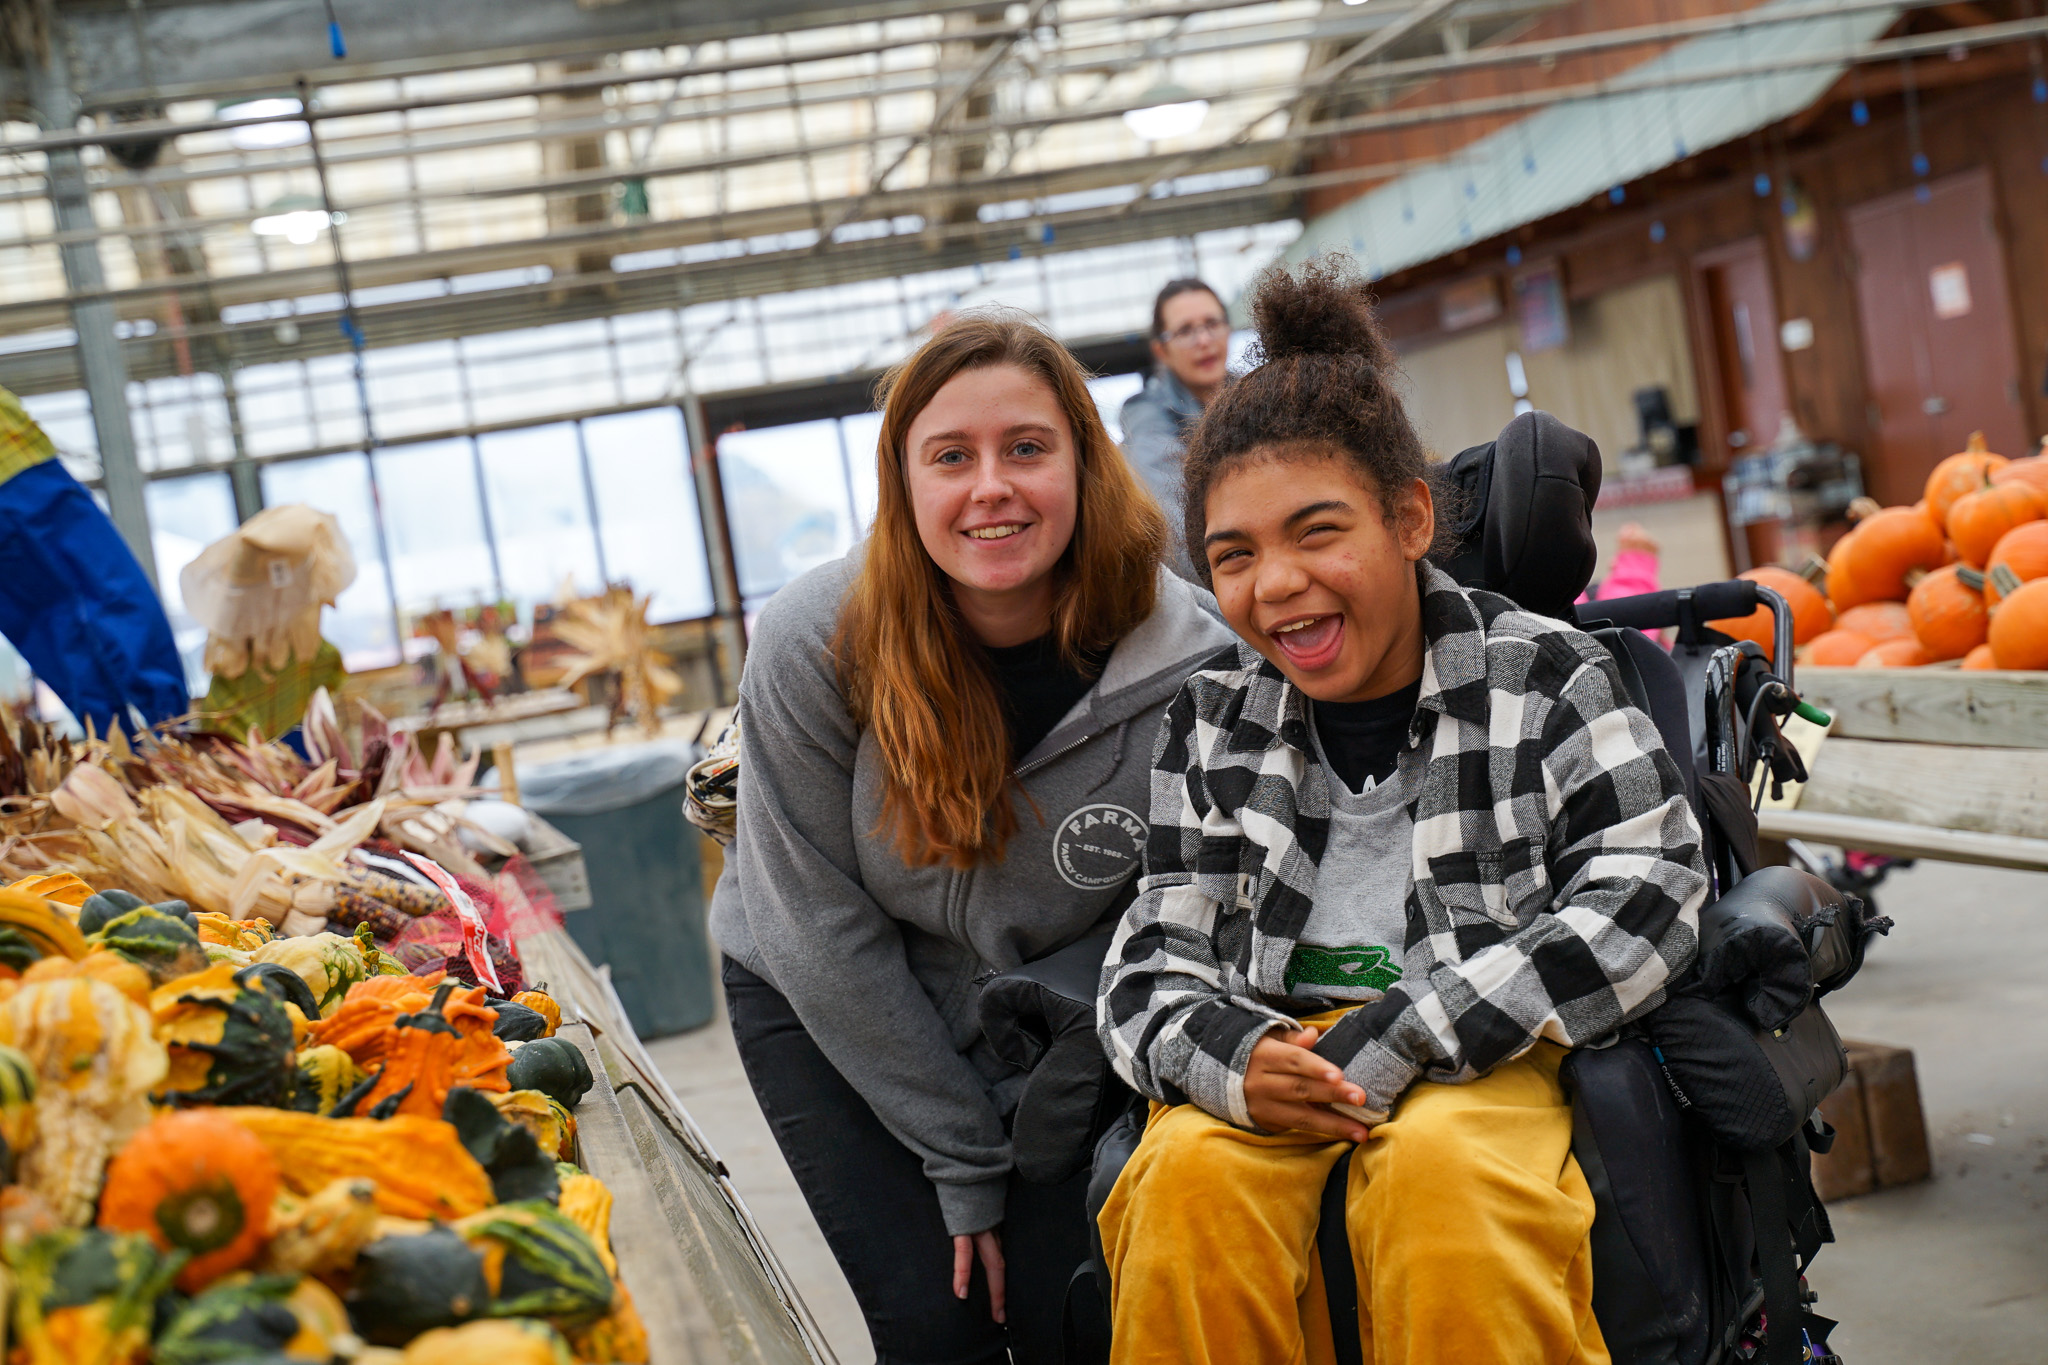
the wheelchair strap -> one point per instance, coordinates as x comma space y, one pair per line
1790, 1227
1340, 1277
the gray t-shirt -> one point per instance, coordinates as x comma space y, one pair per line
1350, 951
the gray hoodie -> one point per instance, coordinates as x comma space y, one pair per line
1156, 422
883, 961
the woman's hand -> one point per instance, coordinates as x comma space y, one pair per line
989, 1247
1286, 1086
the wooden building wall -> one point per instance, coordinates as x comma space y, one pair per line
1975, 114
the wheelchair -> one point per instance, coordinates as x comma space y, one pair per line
1696, 1126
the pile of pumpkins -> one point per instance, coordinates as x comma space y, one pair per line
1960, 575
222, 1146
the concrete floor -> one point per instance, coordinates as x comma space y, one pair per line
1955, 1270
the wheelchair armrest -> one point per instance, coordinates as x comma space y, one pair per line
1040, 1017
1024, 1010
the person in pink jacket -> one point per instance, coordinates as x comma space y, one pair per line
1634, 569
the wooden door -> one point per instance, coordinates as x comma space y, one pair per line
1938, 343
1743, 312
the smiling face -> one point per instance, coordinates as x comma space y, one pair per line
1310, 573
994, 483
1194, 341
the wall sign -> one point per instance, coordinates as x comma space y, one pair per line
1950, 287
1541, 313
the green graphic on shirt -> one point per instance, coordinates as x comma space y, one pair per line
1371, 968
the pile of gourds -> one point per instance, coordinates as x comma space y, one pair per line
1962, 574
223, 1146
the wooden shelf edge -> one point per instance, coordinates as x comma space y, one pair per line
1907, 841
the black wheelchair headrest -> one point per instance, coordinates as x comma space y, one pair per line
1525, 527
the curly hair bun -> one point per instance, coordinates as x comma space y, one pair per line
1322, 308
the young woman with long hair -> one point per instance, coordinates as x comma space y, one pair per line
944, 745
1425, 846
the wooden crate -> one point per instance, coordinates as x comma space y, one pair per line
1926, 763
1880, 1131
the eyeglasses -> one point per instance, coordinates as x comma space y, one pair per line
1196, 331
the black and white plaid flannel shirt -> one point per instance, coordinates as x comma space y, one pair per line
1558, 872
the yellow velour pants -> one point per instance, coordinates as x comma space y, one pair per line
1468, 1222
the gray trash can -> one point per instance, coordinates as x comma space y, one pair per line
646, 919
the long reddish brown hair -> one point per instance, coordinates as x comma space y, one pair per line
913, 673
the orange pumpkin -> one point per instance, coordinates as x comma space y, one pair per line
2019, 628
1979, 658
1959, 475
1980, 520
1947, 610
1878, 622
1837, 648
1881, 559
1810, 612
1895, 654
2032, 471
2020, 556
198, 1182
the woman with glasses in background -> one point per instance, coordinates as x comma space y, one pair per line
1191, 342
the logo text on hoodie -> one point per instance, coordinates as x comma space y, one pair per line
1098, 846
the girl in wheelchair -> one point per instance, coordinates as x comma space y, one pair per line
1409, 844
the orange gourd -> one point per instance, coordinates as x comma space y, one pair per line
435, 1049
1810, 612
2019, 628
361, 1026
2020, 556
1948, 614
1837, 648
198, 1182
1979, 658
1878, 621
1881, 558
1980, 520
1895, 654
1959, 475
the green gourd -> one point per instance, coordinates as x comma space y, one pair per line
405, 1285
18, 950
249, 1039
281, 983
553, 1066
518, 1024
551, 1268
106, 906
230, 1322
162, 945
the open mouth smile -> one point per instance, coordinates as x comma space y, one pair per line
1003, 532
1310, 642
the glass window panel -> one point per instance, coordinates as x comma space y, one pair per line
786, 501
415, 389
434, 527
862, 432
360, 622
185, 516
179, 420
272, 400
539, 513
647, 510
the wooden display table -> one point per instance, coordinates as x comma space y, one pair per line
703, 1277
1926, 763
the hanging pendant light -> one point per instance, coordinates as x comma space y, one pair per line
1168, 111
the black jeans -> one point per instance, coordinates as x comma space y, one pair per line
880, 1214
